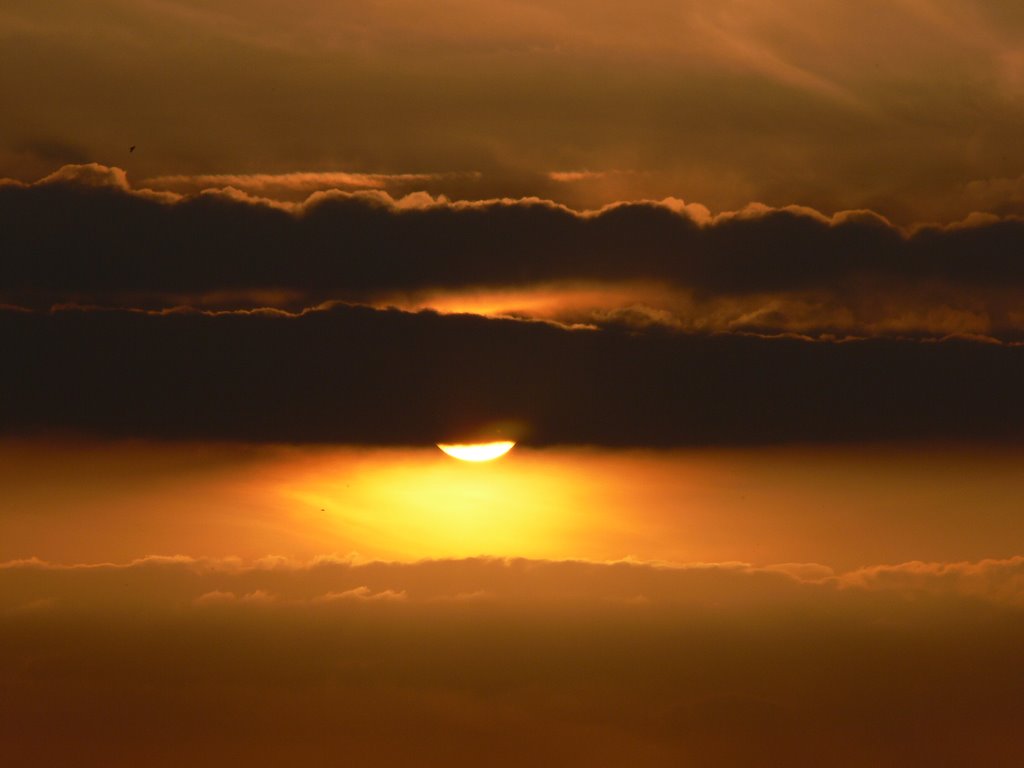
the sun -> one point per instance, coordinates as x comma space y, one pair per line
477, 451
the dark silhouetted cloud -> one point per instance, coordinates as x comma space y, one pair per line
352, 374
84, 235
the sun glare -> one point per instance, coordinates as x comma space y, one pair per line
477, 451
411, 504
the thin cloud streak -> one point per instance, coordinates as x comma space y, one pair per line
329, 578
296, 182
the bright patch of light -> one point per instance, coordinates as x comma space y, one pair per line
477, 451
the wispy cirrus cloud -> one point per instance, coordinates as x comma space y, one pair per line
819, 103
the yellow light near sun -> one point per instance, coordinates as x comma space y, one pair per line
477, 451
406, 505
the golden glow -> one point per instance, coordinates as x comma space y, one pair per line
477, 451
791, 505
403, 505
558, 301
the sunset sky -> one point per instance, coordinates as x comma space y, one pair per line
742, 281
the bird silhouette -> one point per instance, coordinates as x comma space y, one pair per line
131, 149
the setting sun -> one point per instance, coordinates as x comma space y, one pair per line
477, 451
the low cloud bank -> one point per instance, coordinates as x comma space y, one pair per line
173, 582
171, 660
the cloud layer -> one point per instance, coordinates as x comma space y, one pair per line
457, 662
84, 235
174, 582
636, 274
351, 374
898, 106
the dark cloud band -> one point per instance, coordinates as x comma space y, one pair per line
85, 235
356, 375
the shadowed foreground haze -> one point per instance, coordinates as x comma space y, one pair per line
565, 662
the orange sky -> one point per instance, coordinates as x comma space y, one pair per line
911, 108
743, 279
787, 611
840, 507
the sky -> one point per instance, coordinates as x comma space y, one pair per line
910, 108
740, 280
